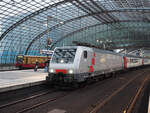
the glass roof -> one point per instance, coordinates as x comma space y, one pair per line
25, 25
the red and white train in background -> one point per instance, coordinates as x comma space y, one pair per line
76, 64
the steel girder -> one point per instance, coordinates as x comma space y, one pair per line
87, 10
103, 9
104, 18
30, 16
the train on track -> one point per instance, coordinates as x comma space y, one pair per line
26, 61
77, 64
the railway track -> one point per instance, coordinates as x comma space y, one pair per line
17, 102
133, 100
41, 103
45, 102
97, 107
25, 99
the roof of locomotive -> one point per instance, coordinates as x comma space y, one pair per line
94, 49
65, 47
102, 51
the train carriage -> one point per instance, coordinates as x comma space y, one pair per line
26, 61
146, 61
131, 61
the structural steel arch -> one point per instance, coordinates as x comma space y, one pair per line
30, 16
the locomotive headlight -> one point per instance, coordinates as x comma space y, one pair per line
62, 61
51, 70
70, 71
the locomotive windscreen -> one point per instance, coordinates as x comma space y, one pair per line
64, 55
19, 59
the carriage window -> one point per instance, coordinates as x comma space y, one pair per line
85, 54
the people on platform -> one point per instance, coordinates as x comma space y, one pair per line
46, 65
36, 65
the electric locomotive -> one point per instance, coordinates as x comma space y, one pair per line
77, 64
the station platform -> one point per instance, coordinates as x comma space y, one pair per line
11, 80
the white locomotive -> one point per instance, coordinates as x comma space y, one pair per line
76, 64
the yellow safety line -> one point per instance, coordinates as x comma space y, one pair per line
110, 97
137, 95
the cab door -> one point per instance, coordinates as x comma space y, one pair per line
85, 60
91, 62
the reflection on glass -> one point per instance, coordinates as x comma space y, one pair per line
64, 55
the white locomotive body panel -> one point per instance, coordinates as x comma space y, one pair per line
107, 62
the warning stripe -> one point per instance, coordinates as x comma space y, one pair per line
91, 67
125, 62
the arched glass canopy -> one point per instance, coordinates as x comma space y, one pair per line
25, 25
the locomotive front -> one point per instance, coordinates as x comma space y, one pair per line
62, 66
19, 61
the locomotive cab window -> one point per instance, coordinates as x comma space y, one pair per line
85, 54
64, 55
19, 58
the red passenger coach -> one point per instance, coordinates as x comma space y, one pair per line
132, 61
24, 61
